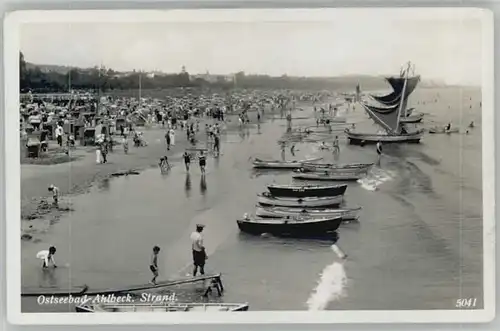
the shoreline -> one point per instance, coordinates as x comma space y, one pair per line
37, 214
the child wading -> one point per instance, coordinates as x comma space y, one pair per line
154, 264
164, 165
47, 257
55, 194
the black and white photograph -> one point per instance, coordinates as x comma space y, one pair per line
323, 161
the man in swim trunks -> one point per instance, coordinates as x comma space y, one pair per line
202, 161
154, 264
187, 160
199, 254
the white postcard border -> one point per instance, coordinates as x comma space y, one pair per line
12, 25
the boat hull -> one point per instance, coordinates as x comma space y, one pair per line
279, 212
321, 202
443, 131
160, 307
288, 165
306, 191
340, 167
290, 228
329, 177
368, 138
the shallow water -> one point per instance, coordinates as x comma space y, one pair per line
418, 244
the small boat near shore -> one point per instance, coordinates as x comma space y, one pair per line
391, 113
159, 307
438, 130
347, 214
332, 166
290, 227
275, 164
373, 138
303, 191
328, 176
266, 199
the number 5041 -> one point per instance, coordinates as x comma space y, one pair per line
466, 303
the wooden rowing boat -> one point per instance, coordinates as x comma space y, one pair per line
346, 214
437, 130
267, 199
160, 307
303, 191
328, 176
275, 164
290, 227
333, 166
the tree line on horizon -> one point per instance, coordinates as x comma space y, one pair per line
33, 79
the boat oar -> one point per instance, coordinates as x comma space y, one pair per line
339, 252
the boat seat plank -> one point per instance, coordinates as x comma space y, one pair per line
151, 286
55, 291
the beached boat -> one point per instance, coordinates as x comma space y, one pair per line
328, 176
281, 212
303, 191
323, 166
389, 115
275, 164
438, 130
372, 138
159, 307
266, 199
295, 227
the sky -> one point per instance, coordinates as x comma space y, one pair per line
444, 47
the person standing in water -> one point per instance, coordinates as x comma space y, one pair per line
168, 139
187, 160
199, 254
202, 159
379, 151
154, 264
55, 194
47, 257
336, 148
283, 145
216, 145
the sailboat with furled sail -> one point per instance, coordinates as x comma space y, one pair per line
391, 113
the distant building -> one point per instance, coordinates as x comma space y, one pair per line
213, 78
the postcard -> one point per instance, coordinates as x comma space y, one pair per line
250, 166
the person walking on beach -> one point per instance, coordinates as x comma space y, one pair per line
172, 137
336, 148
47, 257
168, 140
283, 146
379, 152
55, 194
164, 165
199, 254
154, 264
202, 159
125, 144
59, 135
104, 152
187, 160
216, 145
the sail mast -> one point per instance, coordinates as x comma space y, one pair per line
402, 100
